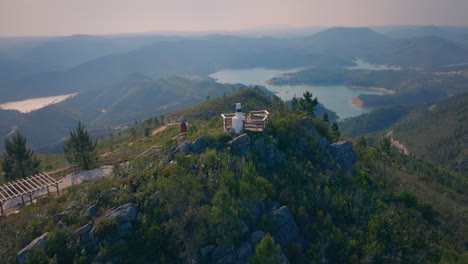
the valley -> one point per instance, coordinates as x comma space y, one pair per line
363, 159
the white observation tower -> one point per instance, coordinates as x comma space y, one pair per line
238, 120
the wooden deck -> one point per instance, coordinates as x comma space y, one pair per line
254, 121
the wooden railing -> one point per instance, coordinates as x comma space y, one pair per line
254, 121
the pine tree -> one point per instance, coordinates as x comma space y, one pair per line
307, 104
294, 104
80, 149
384, 150
18, 161
335, 131
325, 118
267, 251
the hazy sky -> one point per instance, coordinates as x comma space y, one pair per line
66, 17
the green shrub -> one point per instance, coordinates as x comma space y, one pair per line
408, 198
105, 227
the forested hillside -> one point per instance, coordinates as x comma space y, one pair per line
434, 132
134, 98
206, 198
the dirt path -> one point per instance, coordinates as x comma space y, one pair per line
402, 148
159, 129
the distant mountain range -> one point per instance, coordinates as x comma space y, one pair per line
87, 62
127, 77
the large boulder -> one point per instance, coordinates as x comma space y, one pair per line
124, 230
310, 129
223, 254
270, 152
240, 145
87, 238
199, 145
185, 147
82, 231
255, 238
92, 210
39, 242
344, 154
124, 213
287, 229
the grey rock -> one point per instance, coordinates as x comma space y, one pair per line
322, 142
283, 257
109, 194
259, 144
240, 145
255, 238
185, 147
310, 128
124, 213
228, 259
244, 228
274, 205
206, 251
58, 217
270, 153
244, 251
92, 210
87, 239
39, 242
199, 145
220, 253
344, 154
287, 229
71, 207
82, 231
124, 230
274, 156
195, 258
61, 224
301, 145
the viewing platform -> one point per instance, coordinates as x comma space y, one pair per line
253, 121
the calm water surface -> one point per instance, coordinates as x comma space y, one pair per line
336, 97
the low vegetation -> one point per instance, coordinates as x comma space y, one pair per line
376, 212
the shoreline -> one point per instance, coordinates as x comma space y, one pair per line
371, 88
356, 102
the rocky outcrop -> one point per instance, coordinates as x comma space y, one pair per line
287, 230
272, 155
87, 238
310, 129
124, 213
240, 145
344, 154
185, 147
59, 217
227, 253
39, 242
199, 145
285, 233
92, 210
